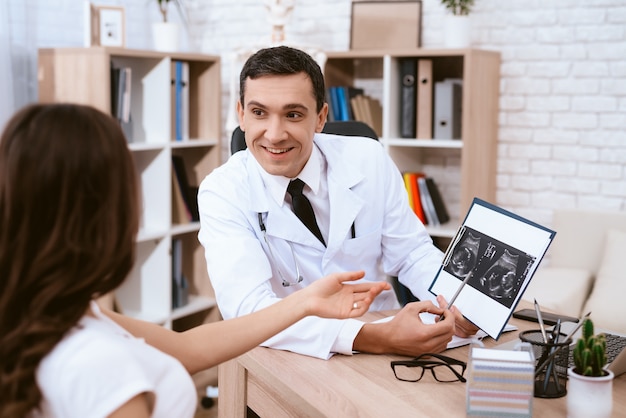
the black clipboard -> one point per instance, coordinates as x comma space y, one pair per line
501, 250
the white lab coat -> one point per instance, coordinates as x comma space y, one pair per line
364, 187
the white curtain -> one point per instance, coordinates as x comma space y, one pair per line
7, 106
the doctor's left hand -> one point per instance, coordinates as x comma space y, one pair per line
464, 328
331, 297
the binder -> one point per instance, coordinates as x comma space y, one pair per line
181, 100
448, 102
408, 97
425, 99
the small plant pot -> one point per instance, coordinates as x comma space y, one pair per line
589, 397
457, 31
165, 36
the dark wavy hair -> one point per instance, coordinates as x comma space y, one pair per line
283, 60
68, 222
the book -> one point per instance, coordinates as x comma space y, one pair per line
435, 195
410, 182
408, 97
334, 100
180, 293
409, 189
121, 83
498, 253
427, 203
189, 193
424, 118
331, 110
180, 212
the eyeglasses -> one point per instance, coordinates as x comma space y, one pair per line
285, 282
444, 369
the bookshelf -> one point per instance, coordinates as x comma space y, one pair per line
462, 168
83, 75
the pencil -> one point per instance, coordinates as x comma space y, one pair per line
469, 276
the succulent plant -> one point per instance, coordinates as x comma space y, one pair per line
590, 352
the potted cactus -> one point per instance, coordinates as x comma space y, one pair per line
590, 352
590, 391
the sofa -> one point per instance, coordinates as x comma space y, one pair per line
585, 268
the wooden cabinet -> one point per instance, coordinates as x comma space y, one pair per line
462, 168
83, 75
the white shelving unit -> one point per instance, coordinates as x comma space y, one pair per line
82, 75
463, 169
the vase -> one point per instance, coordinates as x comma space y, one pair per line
589, 397
165, 36
456, 31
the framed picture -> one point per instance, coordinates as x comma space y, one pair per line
108, 26
386, 24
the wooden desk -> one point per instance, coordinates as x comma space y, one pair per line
277, 383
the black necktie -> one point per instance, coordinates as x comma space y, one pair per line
302, 207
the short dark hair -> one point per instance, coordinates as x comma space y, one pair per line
283, 60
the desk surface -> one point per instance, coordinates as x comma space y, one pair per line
278, 383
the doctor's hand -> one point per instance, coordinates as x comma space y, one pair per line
332, 297
464, 328
406, 334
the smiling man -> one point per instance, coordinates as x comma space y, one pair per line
259, 251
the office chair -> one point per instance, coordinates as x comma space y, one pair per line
347, 127
350, 128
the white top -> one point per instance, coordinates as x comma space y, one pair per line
363, 186
98, 366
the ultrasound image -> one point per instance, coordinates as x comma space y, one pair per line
498, 270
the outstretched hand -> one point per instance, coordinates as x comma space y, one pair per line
332, 297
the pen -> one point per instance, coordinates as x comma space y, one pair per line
540, 320
551, 356
551, 370
471, 273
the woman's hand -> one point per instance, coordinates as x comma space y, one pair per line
332, 297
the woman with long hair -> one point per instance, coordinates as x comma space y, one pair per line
69, 215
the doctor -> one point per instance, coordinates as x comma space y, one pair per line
257, 249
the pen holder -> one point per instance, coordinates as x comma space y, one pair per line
551, 375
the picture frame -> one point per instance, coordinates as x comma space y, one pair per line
108, 26
386, 24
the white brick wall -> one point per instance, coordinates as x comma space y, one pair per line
563, 78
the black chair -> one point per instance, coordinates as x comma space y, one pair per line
348, 127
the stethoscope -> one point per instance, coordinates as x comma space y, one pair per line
285, 282
299, 277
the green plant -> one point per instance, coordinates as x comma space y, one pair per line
590, 352
458, 7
